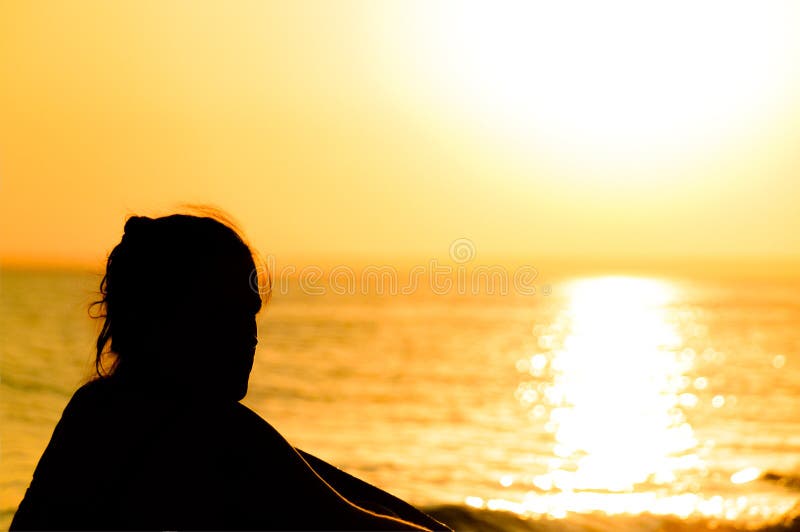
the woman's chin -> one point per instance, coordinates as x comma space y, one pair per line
241, 392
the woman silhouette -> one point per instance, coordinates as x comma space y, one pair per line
159, 440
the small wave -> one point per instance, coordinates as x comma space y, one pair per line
787, 480
34, 385
468, 519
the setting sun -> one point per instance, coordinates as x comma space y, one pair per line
593, 84
634, 128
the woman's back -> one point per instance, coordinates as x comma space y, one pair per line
130, 459
134, 459
159, 439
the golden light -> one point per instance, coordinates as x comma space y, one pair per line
616, 385
746, 475
618, 379
624, 82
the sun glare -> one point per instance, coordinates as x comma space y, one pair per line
621, 80
617, 379
614, 394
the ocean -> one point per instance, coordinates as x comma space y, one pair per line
597, 403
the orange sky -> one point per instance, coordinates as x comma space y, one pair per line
370, 129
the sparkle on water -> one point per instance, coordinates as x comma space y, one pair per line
616, 390
613, 378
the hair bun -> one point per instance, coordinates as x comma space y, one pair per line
136, 224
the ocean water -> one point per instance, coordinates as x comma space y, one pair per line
609, 403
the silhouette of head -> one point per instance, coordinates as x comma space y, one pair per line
180, 300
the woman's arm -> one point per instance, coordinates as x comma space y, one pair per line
367, 496
279, 477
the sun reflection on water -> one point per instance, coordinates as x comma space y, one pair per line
607, 393
610, 385
615, 394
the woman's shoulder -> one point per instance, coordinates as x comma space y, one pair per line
95, 392
83, 406
243, 428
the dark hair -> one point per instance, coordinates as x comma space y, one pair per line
158, 266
